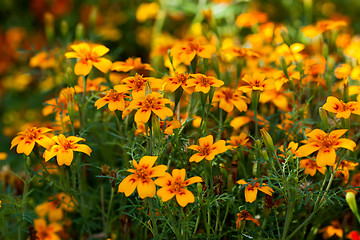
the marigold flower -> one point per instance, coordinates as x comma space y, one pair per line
54, 208
203, 83
64, 149
43, 60
130, 64
310, 167
150, 103
343, 169
251, 18
256, 82
228, 99
334, 229
58, 105
241, 140
46, 231
342, 71
342, 110
137, 84
207, 149
25, 141
239, 52
326, 144
243, 216
180, 79
175, 185
184, 52
141, 177
91, 84
114, 99
89, 55
251, 190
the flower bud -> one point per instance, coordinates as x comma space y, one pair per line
49, 26
265, 155
199, 188
350, 199
267, 140
93, 15
255, 97
64, 28
79, 31
283, 65
324, 117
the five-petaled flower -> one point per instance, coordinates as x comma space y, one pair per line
310, 167
342, 110
175, 185
227, 99
203, 83
150, 103
137, 84
64, 149
256, 82
89, 55
251, 189
140, 178
180, 79
326, 144
207, 149
25, 141
114, 99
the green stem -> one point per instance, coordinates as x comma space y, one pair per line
25, 193
107, 228
154, 227
288, 218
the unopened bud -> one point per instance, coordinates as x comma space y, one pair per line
49, 26
80, 31
350, 199
283, 65
265, 155
93, 15
325, 50
255, 97
324, 117
64, 28
267, 140
199, 188
290, 157
155, 122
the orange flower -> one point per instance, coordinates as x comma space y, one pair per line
54, 208
203, 83
114, 99
245, 215
43, 60
58, 105
169, 127
344, 168
130, 64
311, 167
334, 229
342, 71
64, 149
239, 52
25, 141
137, 84
251, 190
241, 140
251, 18
180, 79
326, 144
184, 52
206, 149
89, 55
45, 231
141, 177
91, 85
256, 82
228, 99
150, 103
342, 110
175, 185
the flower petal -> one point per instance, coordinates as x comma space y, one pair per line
326, 156
65, 157
128, 185
185, 197
146, 188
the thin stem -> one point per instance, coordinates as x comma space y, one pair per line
107, 228
154, 227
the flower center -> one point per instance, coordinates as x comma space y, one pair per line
228, 93
205, 81
178, 184
205, 150
150, 102
181, 77
142, 173
115, 96
193, 45
64, 143
31, 133
327, 141
139, 82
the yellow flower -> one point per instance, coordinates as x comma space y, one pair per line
251, 190
206, 149
185, 52
147, 11
150, 103
326, 144
310, 167
130, 64
54, 208
114, 99
344, 168
342, 110
91, 85
228, 99
141, 177
249, 19
46, 231
256, 82
64, 149
43, 60
203, 83
334, 229
89, 55
137, 84
175, 185
180, 79
25, 141
241, 140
